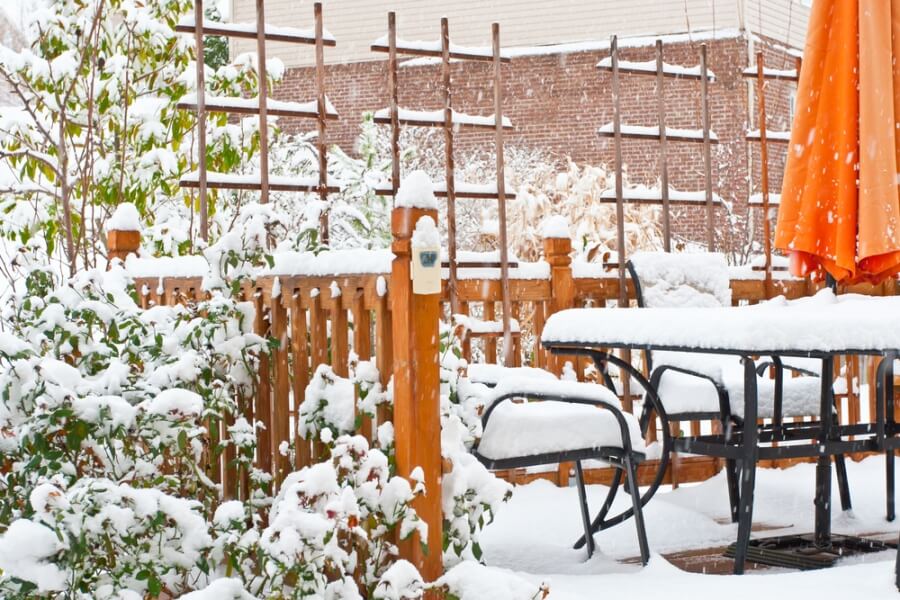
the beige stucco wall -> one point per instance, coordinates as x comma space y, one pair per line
356, 23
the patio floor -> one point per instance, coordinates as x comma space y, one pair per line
688, 529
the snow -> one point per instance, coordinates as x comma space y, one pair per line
434, 46
532, 537
770, 73
472, 581
253, 179
555, 227
681, 393
10, 345
683, 279
491, 374
774, 136
221, 589
252, 104
525, 270
821, 323
176, 402
476, 326
426, 234
653, 132
416, 191
25, 549
530, 428
650, 67
246, 29
166, 266
125, 218
436, 117
330, 262
757, 199
639, 193
400, 582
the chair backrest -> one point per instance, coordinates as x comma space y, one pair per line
667, 280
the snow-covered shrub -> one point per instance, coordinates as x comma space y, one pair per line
470, 494
105, 413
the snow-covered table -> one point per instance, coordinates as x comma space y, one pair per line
823, 326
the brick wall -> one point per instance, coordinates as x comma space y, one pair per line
556, 102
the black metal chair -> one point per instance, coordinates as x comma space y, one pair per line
560, 421
702, 373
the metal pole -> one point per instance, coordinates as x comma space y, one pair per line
620, 192
449, 171
764, 169
201, 119
393, 93
663, 153
320, 122
263, 102
620, 212
501, 197
707, 151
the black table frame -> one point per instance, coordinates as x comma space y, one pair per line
743, 443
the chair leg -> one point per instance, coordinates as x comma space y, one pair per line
840, 464
731, 473
631, 470
745, 514
597, 523
889, 481
585, 515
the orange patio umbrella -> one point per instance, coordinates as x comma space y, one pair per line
840, 210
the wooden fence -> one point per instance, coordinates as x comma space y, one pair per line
321, 319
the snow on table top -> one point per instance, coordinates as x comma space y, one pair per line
653, 131
232, 102
437, 116
650, 67
250, 29
822, 323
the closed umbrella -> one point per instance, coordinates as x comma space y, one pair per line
840, 211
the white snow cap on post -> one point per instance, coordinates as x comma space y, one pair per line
416, 191
556, 226
125, 218
426, 234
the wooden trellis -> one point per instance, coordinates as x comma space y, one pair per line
760, 74
319, 109
452, 122
663, 134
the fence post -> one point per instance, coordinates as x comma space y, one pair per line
121, 242
557, 252
417, 422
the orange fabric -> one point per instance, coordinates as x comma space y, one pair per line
839, 209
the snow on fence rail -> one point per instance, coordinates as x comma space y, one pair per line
320, 315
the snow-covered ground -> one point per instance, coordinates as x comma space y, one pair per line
533, 535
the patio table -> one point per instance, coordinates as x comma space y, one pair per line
822, 326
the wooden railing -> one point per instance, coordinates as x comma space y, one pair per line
320, 320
